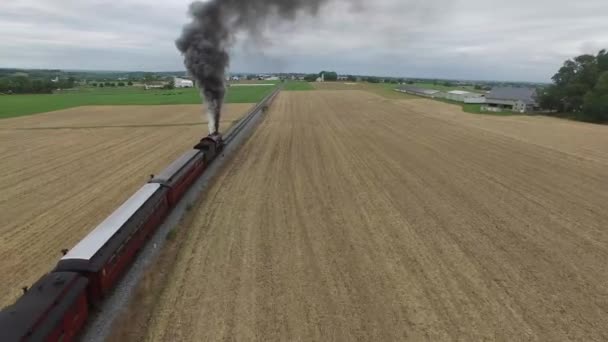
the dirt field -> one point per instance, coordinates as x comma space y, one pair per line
349, 217
382, 89
63, 172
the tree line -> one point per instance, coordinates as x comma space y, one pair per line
110, 84
330, 76
580, 89
26, 85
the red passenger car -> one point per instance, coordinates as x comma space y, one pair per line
54, 309
180, 175
109, 250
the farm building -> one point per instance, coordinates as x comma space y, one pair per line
183, 83
418, 91
520, 100
153, 86
464, 96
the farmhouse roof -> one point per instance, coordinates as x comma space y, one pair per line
527, 95
458, 92
419, 90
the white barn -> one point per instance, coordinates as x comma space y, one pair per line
420, 91
183, 83
464, 96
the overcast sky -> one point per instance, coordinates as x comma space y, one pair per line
523, 40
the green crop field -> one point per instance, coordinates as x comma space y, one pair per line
476, 109
19, 105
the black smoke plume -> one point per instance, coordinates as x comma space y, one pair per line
205, 41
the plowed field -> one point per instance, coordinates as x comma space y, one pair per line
350, 217
63, 172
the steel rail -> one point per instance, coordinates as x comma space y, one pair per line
100, 324
267, 101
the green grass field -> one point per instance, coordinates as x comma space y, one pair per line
19, 105
476, 109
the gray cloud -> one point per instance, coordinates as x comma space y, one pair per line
472, 39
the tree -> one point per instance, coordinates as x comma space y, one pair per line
595, 105
150, 78
311, 77
602, 61
330, 76
25, 85
101, 85
5, 86
130, 83
580, 87
121, 84
549, 99
170, 85
351, 78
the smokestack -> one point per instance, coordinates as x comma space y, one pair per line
205, 41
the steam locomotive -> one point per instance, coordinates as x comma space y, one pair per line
56, 307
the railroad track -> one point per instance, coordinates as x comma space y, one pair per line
93, 280
260, 107
100, 326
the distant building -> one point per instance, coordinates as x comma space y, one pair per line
464, 96
342, 78
522, 100
419, 91
153, 86
480, 99
183, 83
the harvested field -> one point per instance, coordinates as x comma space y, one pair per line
348, 217
578, 139
63, 172
386, 90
